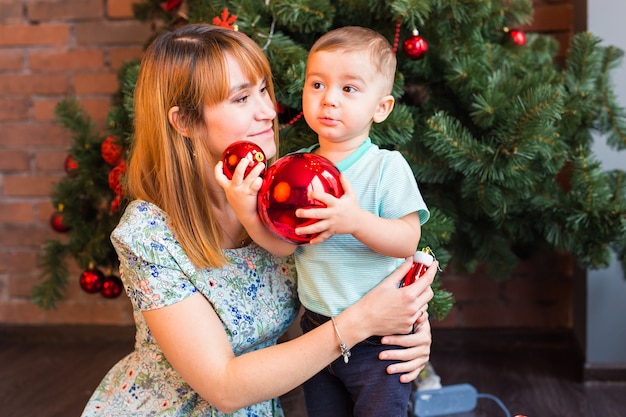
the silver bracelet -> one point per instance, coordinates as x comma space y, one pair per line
345, 352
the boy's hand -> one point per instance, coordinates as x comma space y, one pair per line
340, 216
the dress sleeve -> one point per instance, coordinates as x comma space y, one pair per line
155, 270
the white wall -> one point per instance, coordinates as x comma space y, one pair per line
606, 288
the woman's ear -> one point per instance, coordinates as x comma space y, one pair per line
385, 105
176, 120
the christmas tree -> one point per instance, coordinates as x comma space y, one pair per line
498, 132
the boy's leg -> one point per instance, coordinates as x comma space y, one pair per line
374, 391
324, 394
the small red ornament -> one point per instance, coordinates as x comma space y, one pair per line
421, 261
286, 187
56, 222
518, 37
70, 166
115, 176
111, 150
225, 20
170, 5
111, 287
236, 151
92, 280
115, 204
415, 47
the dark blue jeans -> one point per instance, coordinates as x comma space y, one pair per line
360, 388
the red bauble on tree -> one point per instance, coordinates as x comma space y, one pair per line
115, 176
236, 151
111, 150
92, 280
56, 221
286, 187
112, 286
517, 36
70, 166
415, 47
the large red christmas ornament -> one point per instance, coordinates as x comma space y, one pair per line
56, 222
239, 150
92, 280
415, 47
286, 187
111, 287
70, 166
111, 150
518, 37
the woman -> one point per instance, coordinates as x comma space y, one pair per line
209, 304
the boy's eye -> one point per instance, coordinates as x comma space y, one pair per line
317, 86
349, 89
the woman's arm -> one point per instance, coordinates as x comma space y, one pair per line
193, 340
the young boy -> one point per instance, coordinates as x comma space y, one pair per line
365, 234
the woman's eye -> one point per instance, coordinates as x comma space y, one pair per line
242, 99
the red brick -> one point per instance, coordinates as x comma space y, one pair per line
34, 84
17, 261
16, 212
11, 59
64, 10
35, 186
118, 56
98, 110
61, 60
21, 285
112, 33
14, 160
50, 161
14, 109
120, 9
26, 235
34, 35
96, 83
11, 12
44, 108
29, 134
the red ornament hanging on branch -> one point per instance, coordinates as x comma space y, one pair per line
71, 166
517, 36
56, 221
92, 280
111, 150
415, 47
111, 287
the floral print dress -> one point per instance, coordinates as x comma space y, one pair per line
254, 295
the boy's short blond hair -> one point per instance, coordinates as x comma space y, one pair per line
357, 38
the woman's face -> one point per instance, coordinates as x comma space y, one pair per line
247, 114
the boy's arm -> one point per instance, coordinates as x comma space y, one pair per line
397, 238
243, 200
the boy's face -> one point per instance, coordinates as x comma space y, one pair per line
342, 95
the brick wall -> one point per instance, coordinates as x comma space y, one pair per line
54, 48
49, 50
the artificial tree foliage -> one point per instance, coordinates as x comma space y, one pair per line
497, 132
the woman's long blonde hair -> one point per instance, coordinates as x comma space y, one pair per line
186, 67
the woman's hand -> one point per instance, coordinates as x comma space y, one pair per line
416, 352
388, 309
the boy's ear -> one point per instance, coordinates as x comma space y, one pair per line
385, 105
176, 120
